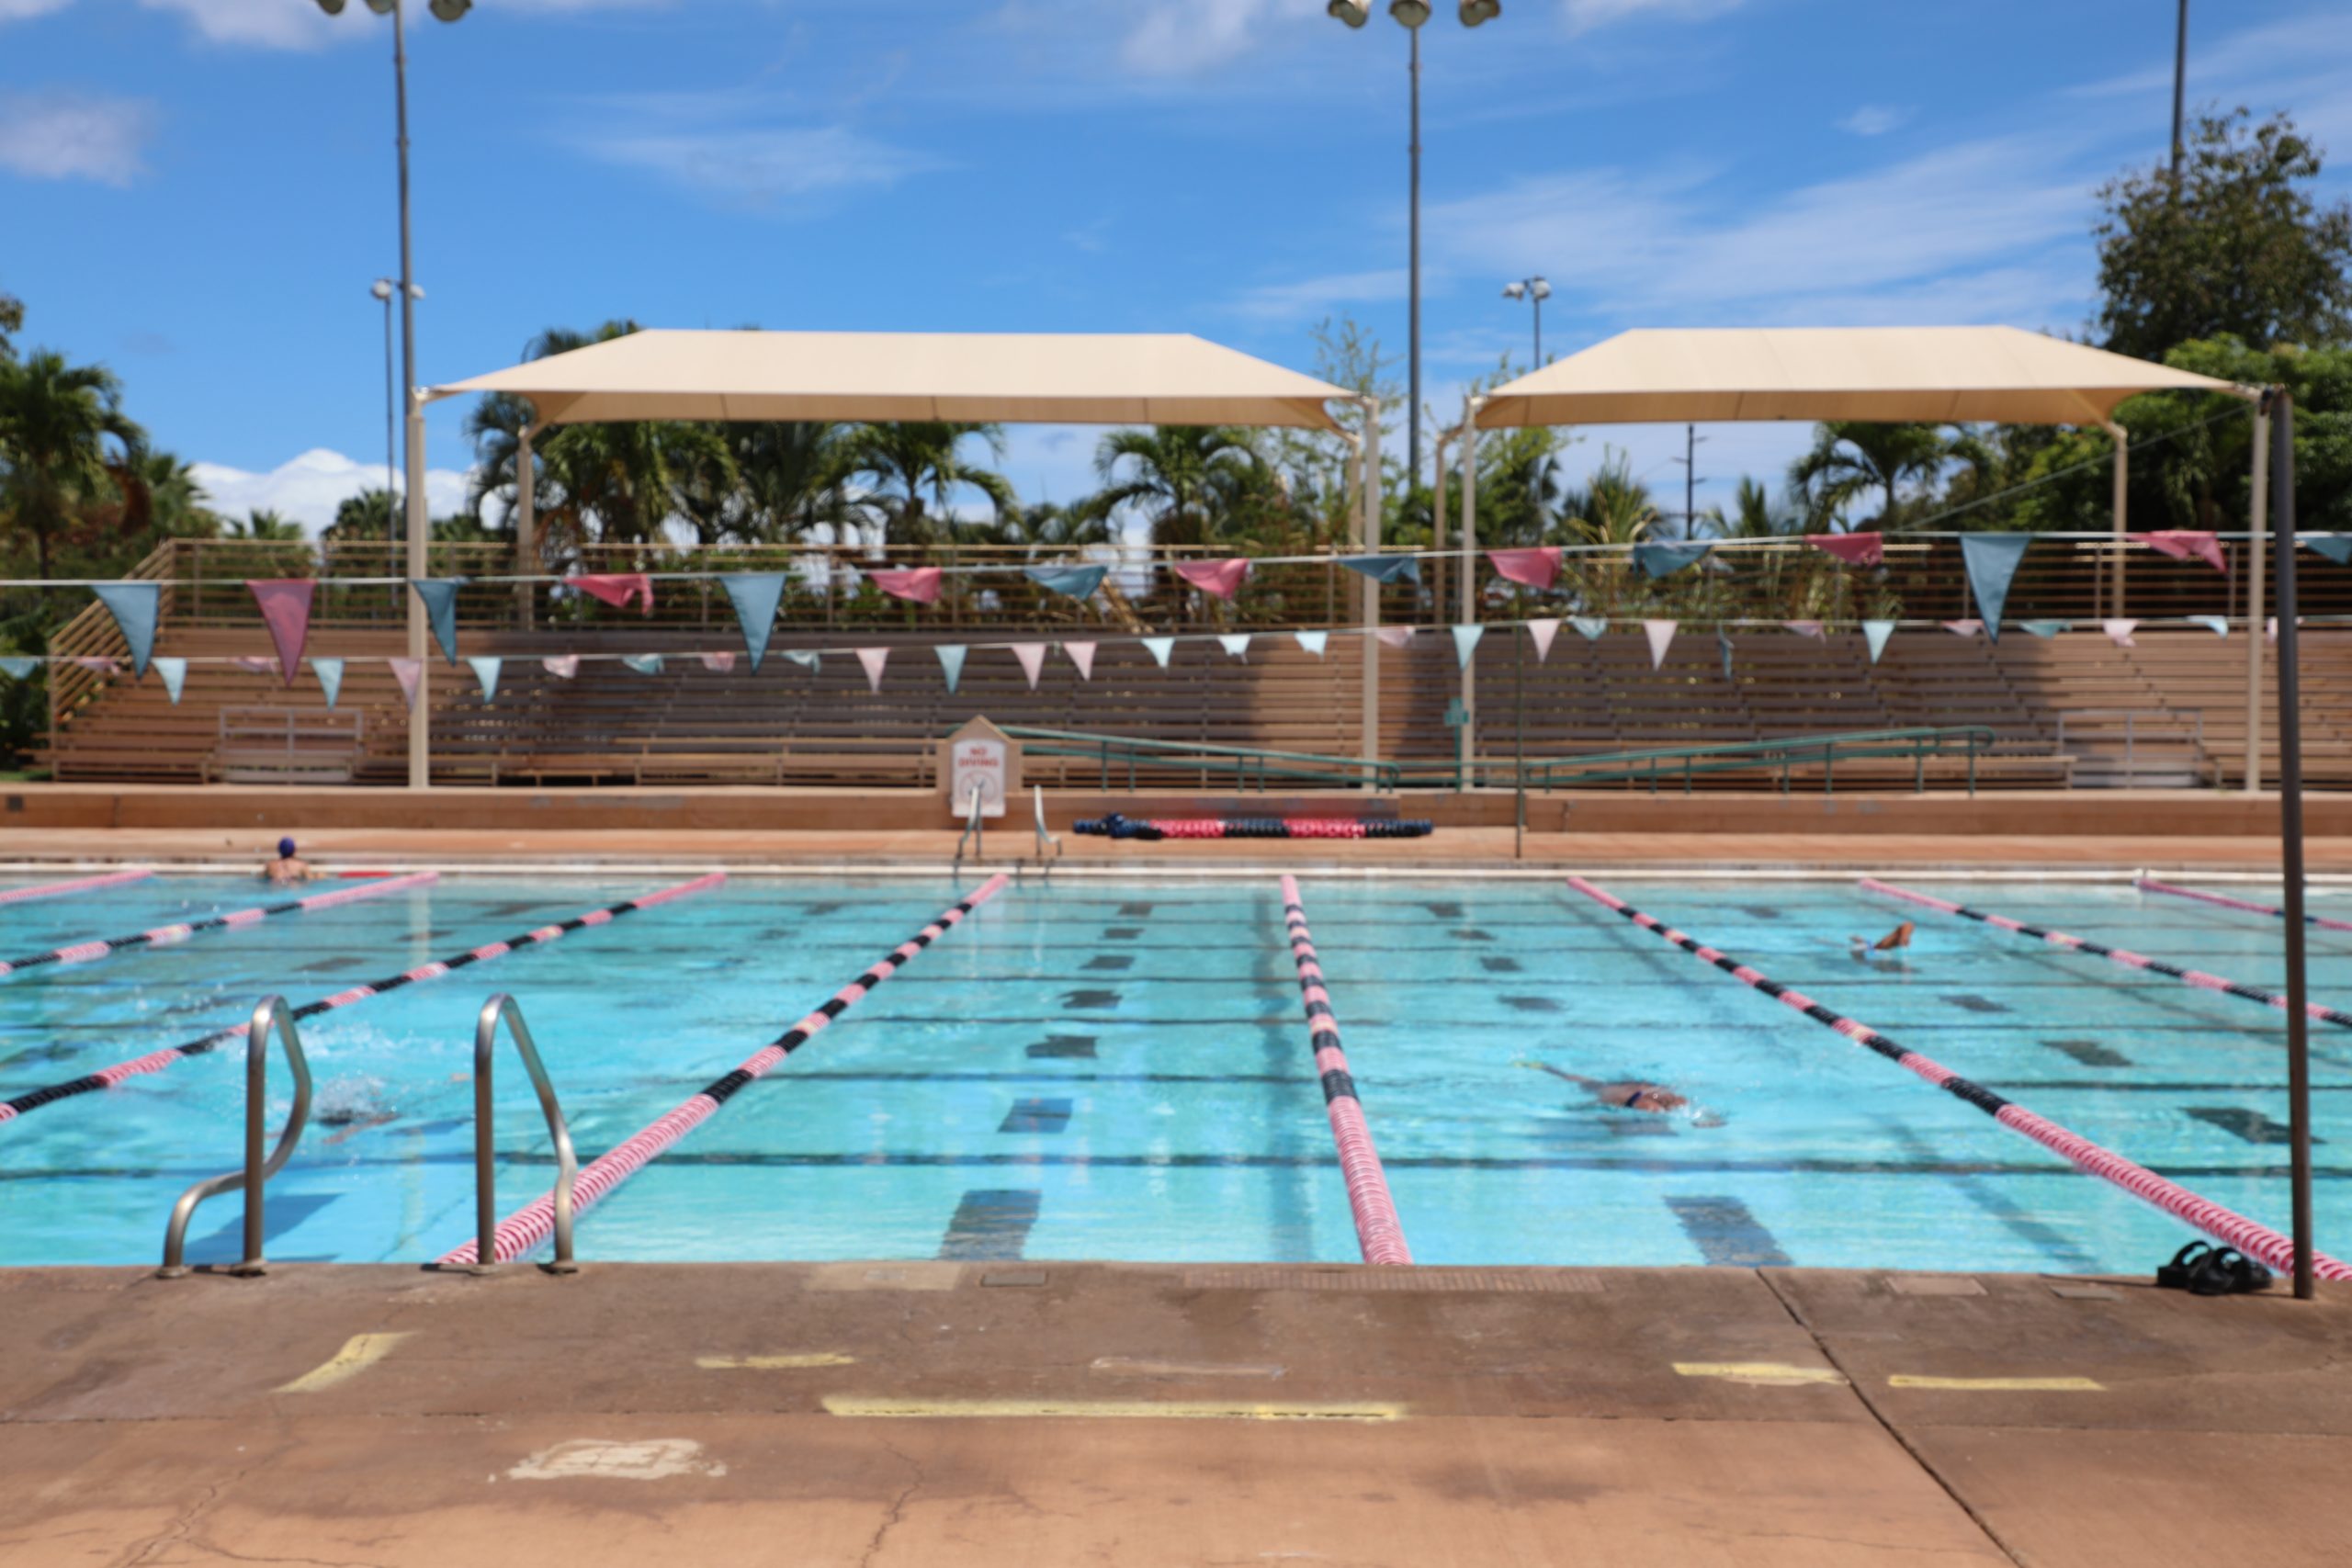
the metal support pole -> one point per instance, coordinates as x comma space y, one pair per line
2255, 641
420, 715
2290, 833
526, 536
1369, 588
1437, 524
1413, 414
1469, 589
2122, 439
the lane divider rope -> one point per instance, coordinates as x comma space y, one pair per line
1379, 1233
97, 948
1117, 827
2150, 885
75, 884
2125, 956
532, 1224
2249, 1236
156, 1061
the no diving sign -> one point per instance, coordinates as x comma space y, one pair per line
979, 756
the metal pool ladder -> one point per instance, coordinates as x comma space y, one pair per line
270, 1014
975, 833
503, 1008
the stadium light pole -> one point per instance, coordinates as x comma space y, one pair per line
1535, 291
420, 738
1410, 15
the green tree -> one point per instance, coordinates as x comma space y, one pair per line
1853, 459
2238, 246
263, 523
910, 470
12, 320
1187, 480
369, 516
55, 421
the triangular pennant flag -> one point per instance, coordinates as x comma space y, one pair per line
1854, 549
1078, 581
22, 667
2336, 547
617, 588
951, 661
1083, 655
563, 666
2182, 543
1542, 633
807, 657
1395, 637
873, 659
2046, 628
410, 673
1033, 659
486, 668
252, 663
286, 609
717, 663
2217, 624
1964, 628
917, 584
1235, 644
1466, 643
1161, 647
755, 595
2120, 632
1314, 642
1537, 568
1384, 569
134, 606
1875, 632
1813, 629
1663, 561
330, 674
1221, 577
1991, 561
1589, 627
643, 663
1722, 646
175, 674
439, 596
1661, 635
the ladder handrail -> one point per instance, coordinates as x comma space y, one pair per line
974, 833
270, 1015
503, 1008
1045, 841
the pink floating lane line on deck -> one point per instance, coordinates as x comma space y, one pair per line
532, 1224
1380, 1235
2130, 960
2150, 885
160, 936
2249, 1236
77, 884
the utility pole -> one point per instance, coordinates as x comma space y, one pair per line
2179, 88
1690, 461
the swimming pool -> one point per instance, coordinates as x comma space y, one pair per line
1120, 1070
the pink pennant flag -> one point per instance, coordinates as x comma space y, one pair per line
1083, 655
618, 589
1964, 628
873, 659
1805, 628
2182, 543
1033, 659
286, 608
1221, 577
1395, 637
409, 673
1661, 635
918, 584
98, 663
1542, 633
1538, 566
563, 666
2120, 632
717, 663
1854, 549
253, 662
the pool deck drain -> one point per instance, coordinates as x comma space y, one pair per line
905, 1414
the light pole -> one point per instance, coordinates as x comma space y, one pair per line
1410, 15
420, 710
382, 288
1536, 290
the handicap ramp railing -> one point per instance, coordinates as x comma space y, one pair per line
271, 1015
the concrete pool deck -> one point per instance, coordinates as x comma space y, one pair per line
1045, 1413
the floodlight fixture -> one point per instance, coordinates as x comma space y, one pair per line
1355, 13
1477, 11
1411, 13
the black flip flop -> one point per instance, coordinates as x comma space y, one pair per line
2227, 1272
2178, 1274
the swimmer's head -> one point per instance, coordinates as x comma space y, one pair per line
285, 849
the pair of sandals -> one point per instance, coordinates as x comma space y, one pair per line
2203, 1269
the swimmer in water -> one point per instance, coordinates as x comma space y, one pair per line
288, 867
1899, 937
1629, 1094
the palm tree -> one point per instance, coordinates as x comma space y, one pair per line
55, 420
263, 522
1187, 478
792, 475
911, 466
1852, 458
1613, 508
368, 517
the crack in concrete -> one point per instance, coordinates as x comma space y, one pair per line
898, 1508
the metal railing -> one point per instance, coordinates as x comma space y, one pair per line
270, 1014
503, 1009
2180, 747
975, 835
1249, 766
1825, 751
1048, 846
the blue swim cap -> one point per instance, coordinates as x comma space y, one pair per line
285, 849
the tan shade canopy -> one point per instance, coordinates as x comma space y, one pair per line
1933, 375
1022, 378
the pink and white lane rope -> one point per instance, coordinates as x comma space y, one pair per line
532, 1224
156, 1061
2130, 960
2150, 885
1379, 1232
2249, 1236
76, 884
99, 947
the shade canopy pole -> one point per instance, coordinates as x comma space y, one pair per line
2122, 439
1369, 588
2290, 832
526, 538
1465, 736
2257, 515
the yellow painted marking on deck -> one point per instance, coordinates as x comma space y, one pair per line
358, 1353
774, 1363
1770, 1374
2004, 1385
1105, 1409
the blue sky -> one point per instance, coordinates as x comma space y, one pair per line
198, 192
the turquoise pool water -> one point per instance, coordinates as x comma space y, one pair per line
1121, 1070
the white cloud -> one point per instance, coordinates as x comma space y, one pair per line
23, 10
760, 166
58, 134
267, 24
1315, 297
1875, 119
310, 486
1586, 14
1177, 40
